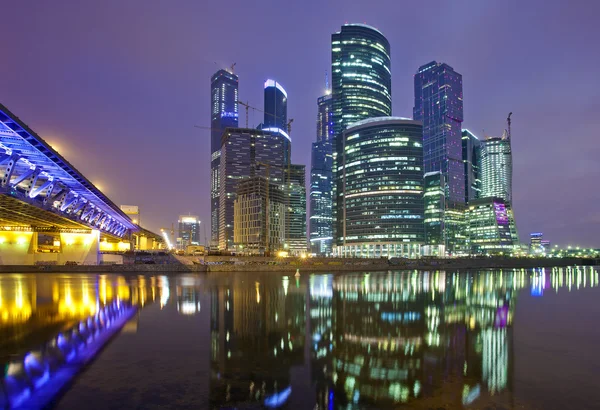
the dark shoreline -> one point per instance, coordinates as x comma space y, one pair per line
233, 264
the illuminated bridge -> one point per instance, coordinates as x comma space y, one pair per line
49, 211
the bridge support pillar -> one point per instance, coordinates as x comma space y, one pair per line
17, 248
81, 248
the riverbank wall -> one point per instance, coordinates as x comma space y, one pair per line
215, 264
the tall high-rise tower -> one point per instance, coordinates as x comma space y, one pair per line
472, 162
247, 153
382, 189
439, 106
224, 113
361, 89
496, 168
275, 105
320, 225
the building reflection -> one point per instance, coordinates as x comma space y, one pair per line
430, 339
188, 291
379, 340
257, 334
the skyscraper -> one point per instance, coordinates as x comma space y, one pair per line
258, 221
489, 226
224, 113
381, 172
361, 88
246, 153
321, 180
361, 75
496, 168
275, 106
434, 202
472, 161
189, 230
296, 214
535, 242
439, 106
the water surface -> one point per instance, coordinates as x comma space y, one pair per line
426, 340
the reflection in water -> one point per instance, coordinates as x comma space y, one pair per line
257, 335
34, 307
379, 340
351, 341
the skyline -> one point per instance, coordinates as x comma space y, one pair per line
111, 92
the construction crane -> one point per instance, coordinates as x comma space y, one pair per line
508, 121
247, 106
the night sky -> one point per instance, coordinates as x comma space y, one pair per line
117, 87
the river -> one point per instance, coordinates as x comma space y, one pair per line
511, 339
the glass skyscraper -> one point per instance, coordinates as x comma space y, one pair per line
496, 168
434, 202
224, 113
489, 226
496, 174
246, 153
472, 162
296, 214
381, 189
439, 106
321, 180
275, 106
189, 230
361, 88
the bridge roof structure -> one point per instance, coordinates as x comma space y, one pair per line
39, 187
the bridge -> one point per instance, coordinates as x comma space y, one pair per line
49, 211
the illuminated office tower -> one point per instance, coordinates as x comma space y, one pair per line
496, 174
321, 180
535, 242
189, 230
496, 167
439, 106
489, 226
246, 153
258, 216
224, 113
296, 213
361, 88
471, 147
381, 189
434, 204
275, 106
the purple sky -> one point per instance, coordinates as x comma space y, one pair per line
118, 85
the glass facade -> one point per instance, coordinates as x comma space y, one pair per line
434, 203
224, 114
275, 105
321, 230
361, 88
490, 226
381, 190
535, 242
189, 230
472, 161
296, 225
258, 221
496, 168
439, 106
245, 153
